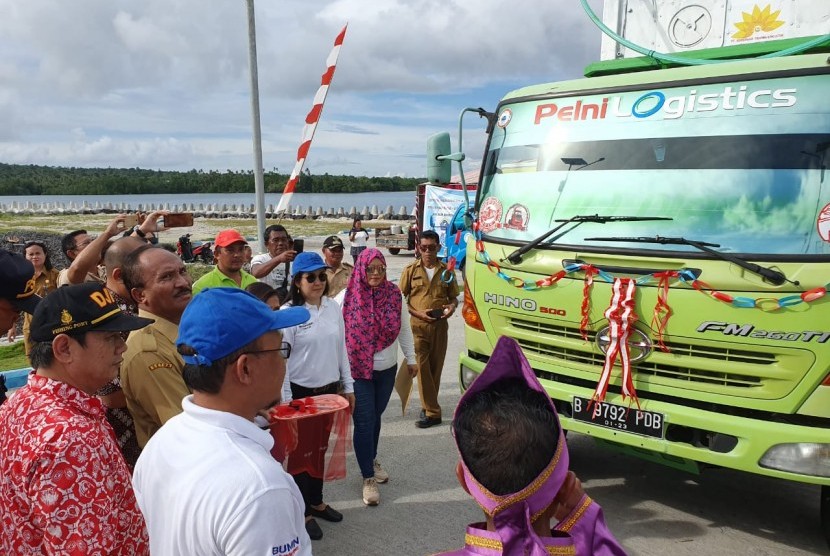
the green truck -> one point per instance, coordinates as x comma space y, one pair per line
656, 236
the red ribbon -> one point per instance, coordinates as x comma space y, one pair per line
662, 311
292, 408
621, 316
589, 271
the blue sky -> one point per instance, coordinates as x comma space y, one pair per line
163, 84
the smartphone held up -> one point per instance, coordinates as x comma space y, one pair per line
130, 221
175, 220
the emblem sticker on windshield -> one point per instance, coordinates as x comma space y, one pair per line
505, 117
823, 223
489, 216
517, 218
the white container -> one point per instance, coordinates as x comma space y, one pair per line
672, 26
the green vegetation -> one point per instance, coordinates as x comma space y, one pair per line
197, 270
13, 357
18, 179
204, 228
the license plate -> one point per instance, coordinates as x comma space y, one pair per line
612, 416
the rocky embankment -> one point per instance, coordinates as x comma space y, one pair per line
14, 240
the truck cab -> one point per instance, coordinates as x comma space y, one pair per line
656, 237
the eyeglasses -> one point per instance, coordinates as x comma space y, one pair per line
85, 242
335, 249
284, 350
311, 277
375, 269
429, 247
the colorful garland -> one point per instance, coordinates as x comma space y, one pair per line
621, 313
663, 278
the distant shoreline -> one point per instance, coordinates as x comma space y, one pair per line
218, 205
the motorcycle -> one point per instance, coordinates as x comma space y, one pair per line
190, 253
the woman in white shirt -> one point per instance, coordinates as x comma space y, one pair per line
358, 236
376, 318
318, 365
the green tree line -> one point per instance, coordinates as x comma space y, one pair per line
20, 179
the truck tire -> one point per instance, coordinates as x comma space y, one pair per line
394, 250
825, 513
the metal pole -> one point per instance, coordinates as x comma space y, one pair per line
259, 180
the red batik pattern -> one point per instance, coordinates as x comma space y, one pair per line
64, 486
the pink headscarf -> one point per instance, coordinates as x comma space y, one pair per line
372, 316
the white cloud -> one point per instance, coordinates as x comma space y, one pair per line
164, 83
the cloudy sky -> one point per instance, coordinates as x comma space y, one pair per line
164, 84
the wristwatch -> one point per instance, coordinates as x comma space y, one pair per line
138, 231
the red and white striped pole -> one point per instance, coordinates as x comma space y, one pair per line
311, 122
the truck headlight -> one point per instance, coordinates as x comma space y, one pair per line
805, 458
467, 377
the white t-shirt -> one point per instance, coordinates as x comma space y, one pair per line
361, 236
318, 350
275, 277
207, 484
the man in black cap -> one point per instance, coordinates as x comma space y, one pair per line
17, 288
337, 271
66, 487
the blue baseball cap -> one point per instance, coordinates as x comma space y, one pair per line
219, 321
307, 261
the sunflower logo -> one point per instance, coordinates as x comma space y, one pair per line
757, 22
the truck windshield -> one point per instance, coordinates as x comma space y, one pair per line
739, 164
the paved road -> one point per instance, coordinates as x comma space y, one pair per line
652, 509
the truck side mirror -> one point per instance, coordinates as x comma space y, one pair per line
438, 171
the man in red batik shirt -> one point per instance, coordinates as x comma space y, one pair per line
64, 485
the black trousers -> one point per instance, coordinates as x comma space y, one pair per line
311, 487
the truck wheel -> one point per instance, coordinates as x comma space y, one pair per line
825, 512
394, 250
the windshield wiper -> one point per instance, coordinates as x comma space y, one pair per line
516, 256
775, 277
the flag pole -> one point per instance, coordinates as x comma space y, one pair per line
311, 122
259, 180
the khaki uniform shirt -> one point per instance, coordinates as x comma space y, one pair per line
151, 376
423, 293
339, 278
63, 278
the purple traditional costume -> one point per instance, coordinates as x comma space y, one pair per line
581, 532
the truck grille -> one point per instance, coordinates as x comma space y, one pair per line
719, 368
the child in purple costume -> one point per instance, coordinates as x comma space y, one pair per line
532, 504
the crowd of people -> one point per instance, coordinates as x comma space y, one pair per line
145, 424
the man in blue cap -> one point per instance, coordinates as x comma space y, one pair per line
206, 481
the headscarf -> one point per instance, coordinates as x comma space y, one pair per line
372, 315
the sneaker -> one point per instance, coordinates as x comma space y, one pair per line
371, 494
381, 476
